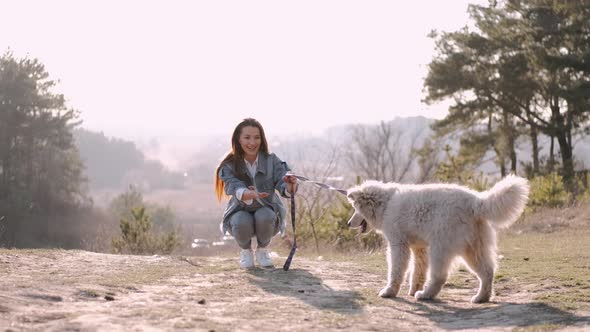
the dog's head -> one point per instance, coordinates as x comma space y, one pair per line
368, 200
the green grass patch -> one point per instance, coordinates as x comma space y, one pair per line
557, 264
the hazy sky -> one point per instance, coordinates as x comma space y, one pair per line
192, 68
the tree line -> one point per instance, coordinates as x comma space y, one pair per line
523, 70
40, 168
47, 162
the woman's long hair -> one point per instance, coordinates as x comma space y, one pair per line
236, 154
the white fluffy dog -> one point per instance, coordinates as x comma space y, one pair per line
437, 223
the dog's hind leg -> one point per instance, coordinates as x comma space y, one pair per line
419, 268
439, 263
483, 267
480, 258
398, 255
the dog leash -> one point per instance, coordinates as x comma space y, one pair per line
294, 247
320, 184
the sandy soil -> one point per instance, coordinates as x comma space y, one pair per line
58, 290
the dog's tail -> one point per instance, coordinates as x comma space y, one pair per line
505, 201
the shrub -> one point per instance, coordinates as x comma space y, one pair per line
583, 187
333, 232
549, 191
137, 239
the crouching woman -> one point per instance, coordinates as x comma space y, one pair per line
252, 176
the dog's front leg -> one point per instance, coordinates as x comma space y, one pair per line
438, 272
398, 255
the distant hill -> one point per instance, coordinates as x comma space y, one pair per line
113, 163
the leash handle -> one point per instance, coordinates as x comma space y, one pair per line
294, 248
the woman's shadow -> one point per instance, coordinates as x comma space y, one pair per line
305, 286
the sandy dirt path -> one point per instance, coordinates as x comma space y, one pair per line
58, 290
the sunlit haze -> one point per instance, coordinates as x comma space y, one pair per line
193, 68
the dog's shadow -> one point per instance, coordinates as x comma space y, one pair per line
306, 287
447, 315
493, 315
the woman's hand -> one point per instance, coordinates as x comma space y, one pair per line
251, 194
291, 182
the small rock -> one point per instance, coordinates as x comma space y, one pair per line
109, 298
301, 291
526, 258
201, 301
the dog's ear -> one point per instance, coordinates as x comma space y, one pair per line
353, 195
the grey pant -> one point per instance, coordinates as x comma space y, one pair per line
261, 223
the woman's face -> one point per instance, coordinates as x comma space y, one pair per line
250, 140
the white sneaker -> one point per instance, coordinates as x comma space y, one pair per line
246, 259
263, 258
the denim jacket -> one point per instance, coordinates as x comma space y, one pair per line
269, 175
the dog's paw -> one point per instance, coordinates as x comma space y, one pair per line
387, 292
480, 299
421, 296
413, 290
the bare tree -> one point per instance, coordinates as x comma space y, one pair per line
317, 161
428, 159
314, 201
383, 152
